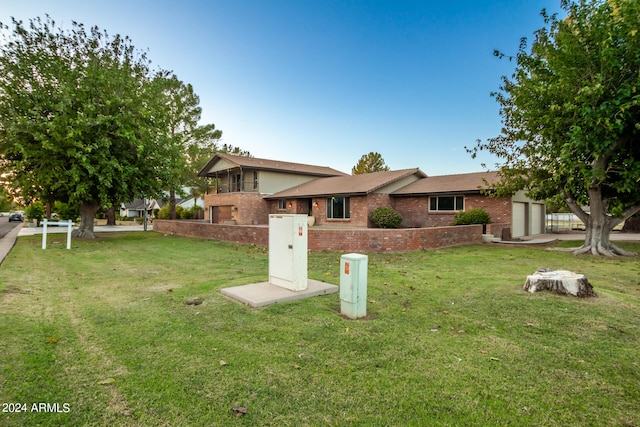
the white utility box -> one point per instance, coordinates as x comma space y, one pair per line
353, 285
288, 251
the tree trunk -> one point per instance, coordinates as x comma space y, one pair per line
111, 216
88, 212
598, 226
559, 282
172, 204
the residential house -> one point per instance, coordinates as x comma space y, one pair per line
136, 208
434, 201
344, 200
246, 190
240, 183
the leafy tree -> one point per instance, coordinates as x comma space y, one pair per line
372, 162
183, 114
5, 200
81, 115
571, 117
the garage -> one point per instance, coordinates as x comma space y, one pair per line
537, 218
519, 219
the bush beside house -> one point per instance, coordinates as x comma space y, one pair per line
385, 217
471, 217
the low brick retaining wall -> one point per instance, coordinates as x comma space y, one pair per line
366, 240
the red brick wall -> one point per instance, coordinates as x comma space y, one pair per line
415, 211
246, 208
246, 234
367, 240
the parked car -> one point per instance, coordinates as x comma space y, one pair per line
16, 217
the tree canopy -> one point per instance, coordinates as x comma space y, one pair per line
372, 162
571, 116
82, 117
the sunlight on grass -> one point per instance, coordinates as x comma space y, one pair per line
450, 339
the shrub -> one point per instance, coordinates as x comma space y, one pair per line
472, 216
385, 218
66, 211
35, 211
163, 213
181, 213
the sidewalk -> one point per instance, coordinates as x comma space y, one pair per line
616, 236
7, 242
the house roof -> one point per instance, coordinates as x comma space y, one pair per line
347, 185
137, 204
264, 164
450, 184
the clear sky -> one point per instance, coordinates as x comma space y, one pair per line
326, 81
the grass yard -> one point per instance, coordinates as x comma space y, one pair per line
107, 334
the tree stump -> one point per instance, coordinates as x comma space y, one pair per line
560, 282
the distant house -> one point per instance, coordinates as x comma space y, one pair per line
137, 207
246, 190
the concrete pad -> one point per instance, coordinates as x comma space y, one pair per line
261, 294
527, 242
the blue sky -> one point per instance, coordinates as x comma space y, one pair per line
324, 82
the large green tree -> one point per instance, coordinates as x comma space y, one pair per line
372, 162
82, 117
571, 116
184, 131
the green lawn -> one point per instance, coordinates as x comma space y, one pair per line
105, 332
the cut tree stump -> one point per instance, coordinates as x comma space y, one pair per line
560, 282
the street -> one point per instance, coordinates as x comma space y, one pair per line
6, 226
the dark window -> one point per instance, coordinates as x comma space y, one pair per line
282, 204
446, 203
338, 208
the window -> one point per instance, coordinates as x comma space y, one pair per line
282, 204
446, 203
255, 180
338, 208
236, 183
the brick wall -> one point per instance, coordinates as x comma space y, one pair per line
367, 240
246, 234
246, 208
415, 211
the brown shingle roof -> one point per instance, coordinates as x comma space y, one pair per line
461, 183
346, 185
271, 165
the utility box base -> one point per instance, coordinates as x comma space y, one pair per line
353, 285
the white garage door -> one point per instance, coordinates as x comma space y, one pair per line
536, 219
518, 219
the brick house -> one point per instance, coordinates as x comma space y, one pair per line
246, 190
344, 200
240, 183
434, 201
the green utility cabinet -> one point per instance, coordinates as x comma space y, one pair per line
353, 285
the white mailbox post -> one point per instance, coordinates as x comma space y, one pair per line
353, 285
288, 251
